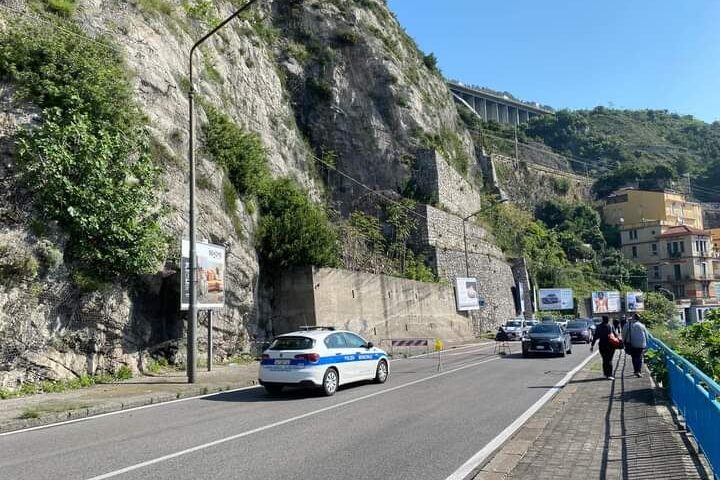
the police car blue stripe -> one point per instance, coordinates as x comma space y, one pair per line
330, 359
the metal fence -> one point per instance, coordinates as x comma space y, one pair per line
697, 397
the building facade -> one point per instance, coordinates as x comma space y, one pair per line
663, 231
629, 208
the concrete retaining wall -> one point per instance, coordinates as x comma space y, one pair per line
376, 306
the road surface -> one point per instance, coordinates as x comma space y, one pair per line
421, 424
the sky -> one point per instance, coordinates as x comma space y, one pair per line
635, 54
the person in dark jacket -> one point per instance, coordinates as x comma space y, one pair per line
607, 351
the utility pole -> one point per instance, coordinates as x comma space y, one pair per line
192, 319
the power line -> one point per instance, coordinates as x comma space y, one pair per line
52, 24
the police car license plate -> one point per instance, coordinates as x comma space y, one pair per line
282, 362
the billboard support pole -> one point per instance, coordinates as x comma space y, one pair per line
210, 341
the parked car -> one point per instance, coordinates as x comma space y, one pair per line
547, 338
321, 357
579, 331
515, 329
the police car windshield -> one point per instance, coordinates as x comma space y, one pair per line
513, 323
292, 343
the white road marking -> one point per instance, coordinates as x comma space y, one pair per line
180, 453
476, 460
170, 402
127, 410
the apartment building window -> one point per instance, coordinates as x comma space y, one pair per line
682, 247
681, 290
656, 271
633, 235
654, 249
634, 251
703, 267
678, 273
705, 290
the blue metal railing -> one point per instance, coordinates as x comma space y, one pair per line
697, 397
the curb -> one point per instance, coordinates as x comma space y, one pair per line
504, 459
117, 406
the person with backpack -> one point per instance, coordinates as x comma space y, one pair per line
635, 337
607, 343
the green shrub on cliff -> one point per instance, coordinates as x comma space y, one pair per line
293, 229
88, 163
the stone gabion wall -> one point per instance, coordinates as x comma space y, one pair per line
440, 238
437, 180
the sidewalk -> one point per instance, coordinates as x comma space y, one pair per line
104, 398
597, 429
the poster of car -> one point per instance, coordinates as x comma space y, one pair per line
466, 294
209, 276
634, 302
606, 302
556, 299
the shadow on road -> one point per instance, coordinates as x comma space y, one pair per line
255, 395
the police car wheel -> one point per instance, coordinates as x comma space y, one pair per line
330, 382
381, 374
273, 389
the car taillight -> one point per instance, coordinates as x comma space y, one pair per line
265, 356
310, 357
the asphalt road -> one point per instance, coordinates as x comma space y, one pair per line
421, 424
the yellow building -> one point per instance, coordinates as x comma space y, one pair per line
715, 240
631, 208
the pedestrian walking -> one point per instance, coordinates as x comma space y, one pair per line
605, 345
635, 337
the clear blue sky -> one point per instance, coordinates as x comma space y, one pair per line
662, 54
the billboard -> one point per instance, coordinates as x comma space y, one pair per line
209, 275
466, 294
556, 299
606, 302
634, 302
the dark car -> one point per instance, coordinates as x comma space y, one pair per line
590, 322
579, 331
547, 338
550, 299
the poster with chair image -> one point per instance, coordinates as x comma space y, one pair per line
209, 276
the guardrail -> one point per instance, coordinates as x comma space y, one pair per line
697, 397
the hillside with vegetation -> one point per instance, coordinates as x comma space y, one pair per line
647, 148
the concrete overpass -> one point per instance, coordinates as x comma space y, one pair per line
496, 107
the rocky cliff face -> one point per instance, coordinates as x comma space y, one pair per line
336, 79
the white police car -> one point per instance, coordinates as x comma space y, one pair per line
321, 357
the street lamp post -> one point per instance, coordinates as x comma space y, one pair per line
192, 321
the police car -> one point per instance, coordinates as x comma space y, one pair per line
321, 357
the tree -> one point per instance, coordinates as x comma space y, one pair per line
659, 311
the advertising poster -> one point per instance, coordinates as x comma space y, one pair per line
556, 299
466, 294
606, 302
635, 302
209, 276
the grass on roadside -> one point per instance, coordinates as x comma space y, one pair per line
59, 386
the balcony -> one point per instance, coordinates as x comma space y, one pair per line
675, 254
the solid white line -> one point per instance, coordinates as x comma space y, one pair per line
477, 459
133, 409
281, 422
170, 402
